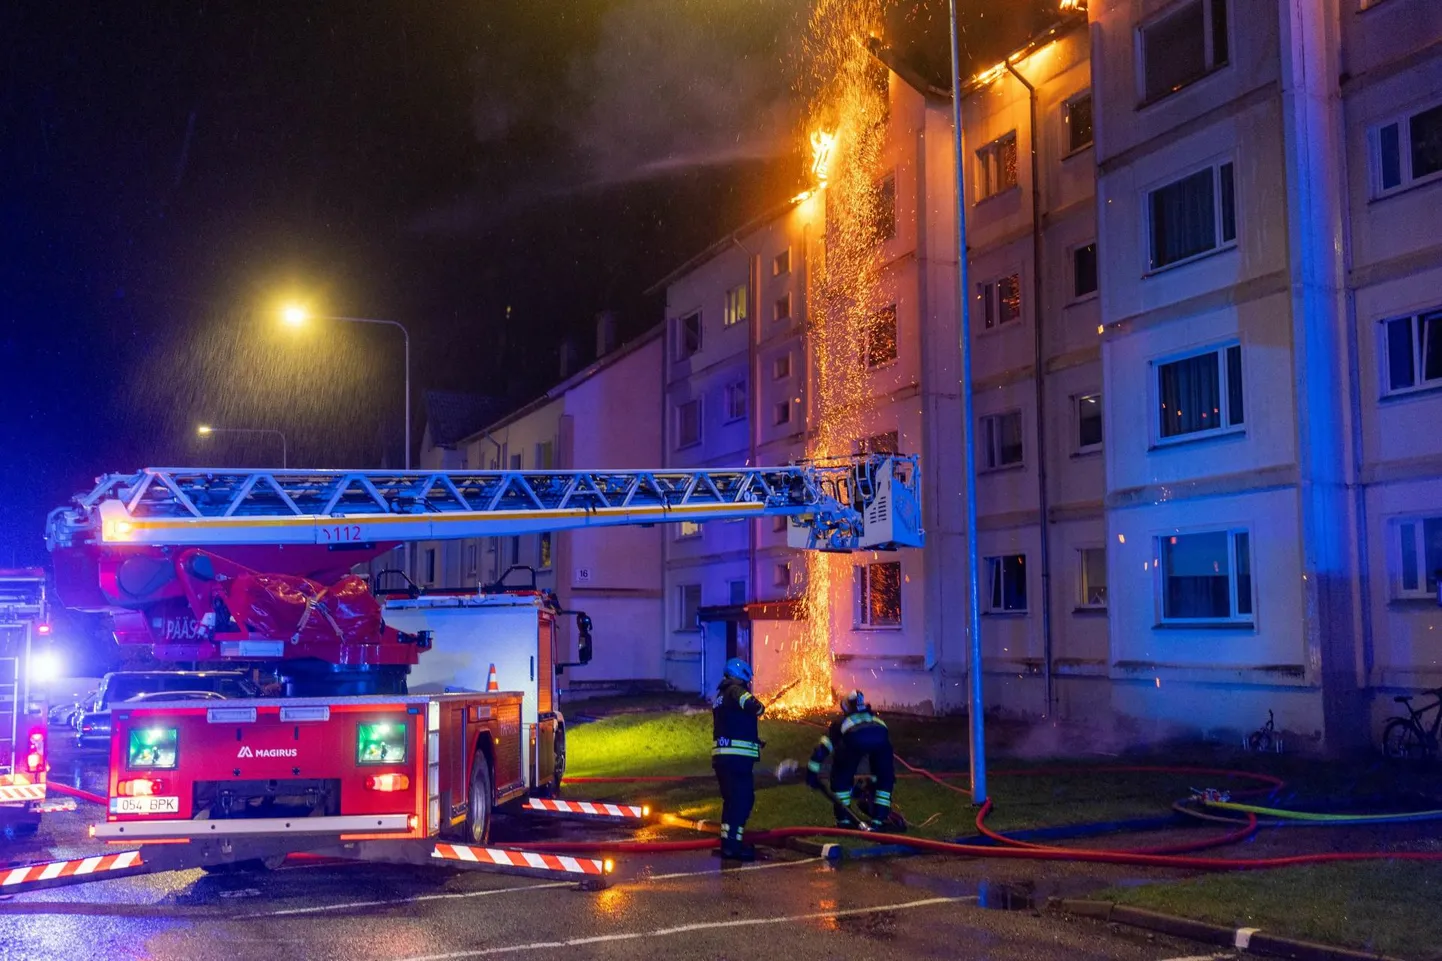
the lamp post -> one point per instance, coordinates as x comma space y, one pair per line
205, 430
296, 316
968, 440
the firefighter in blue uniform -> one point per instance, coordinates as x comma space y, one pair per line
856, 735
736, 750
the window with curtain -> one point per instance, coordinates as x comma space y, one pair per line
1200, 394
1193, 215
1206, 576
1419, 557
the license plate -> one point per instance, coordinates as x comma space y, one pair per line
145, 805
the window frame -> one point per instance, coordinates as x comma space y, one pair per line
1415, 320
873, 323
1224, 415
1221, 243
732, 390
781, 263
989, 166
989, 293
1235, 618
681, 626
1083, 599
886, 222
1403, 123
731, 591
781, 574
781, 366
1396, 547
689, 530
1072, 149
991, 444
679, 352
995, 565
862, 587
1078, 447
781, 413
1209, 47
1073, 297
682, 443
735, 305
545, 551
781, 308
429, 558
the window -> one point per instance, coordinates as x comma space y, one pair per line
688, 607
996, 167
1000, 301
1183, 47
1006, 580
887, 443
1092, 567
878, 594
545, 456
1077, 113
1408, 151
688, 424
1000, 439
687, 530
1420, 556
883, 220
1201, 393
735, 309
1206, 577
1192, 216
781, 263
781, 308
781, 367
778, 525
737, 592
1084, 270
515, 551
781, 574
472, 560
515, 462
543, 551
879, 347
688, 335
781, 414
1088, 423
735, 400
430, 565
1414, 351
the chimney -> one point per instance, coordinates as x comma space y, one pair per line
570, 357
605, 333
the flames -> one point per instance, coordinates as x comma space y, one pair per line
822, 143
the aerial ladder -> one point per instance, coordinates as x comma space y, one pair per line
218, 564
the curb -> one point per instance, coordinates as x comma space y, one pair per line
1252, 940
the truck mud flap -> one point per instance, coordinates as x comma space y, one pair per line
55, 874
587, 810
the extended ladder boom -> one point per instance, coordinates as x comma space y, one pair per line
866, 503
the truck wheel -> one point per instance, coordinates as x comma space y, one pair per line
478, 807
559, 771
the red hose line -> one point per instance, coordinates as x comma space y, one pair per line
76, 792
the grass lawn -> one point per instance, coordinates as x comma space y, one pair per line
1389, 908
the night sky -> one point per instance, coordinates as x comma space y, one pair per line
170, 171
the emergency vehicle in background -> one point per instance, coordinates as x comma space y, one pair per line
365, 755
24, 624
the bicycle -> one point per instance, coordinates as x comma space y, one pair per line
1411, 738
1264, 739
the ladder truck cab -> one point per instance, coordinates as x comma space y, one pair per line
384, 743
24, 627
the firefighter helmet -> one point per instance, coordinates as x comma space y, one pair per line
853, 702
738, 669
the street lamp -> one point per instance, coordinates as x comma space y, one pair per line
205, 430
294, 315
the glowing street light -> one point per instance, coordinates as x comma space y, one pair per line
205, 430
295, 315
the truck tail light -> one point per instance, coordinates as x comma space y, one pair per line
35, 759
140, 787
387, 782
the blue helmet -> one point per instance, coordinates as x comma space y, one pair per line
739, 670
853, 703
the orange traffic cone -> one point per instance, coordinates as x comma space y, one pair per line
491, 684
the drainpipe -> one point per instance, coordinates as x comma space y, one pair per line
1039, 365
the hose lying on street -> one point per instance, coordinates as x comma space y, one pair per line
76, 792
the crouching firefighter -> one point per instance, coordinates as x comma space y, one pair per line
856, 735
736, 750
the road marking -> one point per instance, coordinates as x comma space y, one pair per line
1205, 957
685, 929
748, 867
415, 900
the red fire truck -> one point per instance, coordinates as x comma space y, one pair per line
207, 565
24, 625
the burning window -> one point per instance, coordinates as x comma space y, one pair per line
880, 338
1006, 579
878, 594
996, 167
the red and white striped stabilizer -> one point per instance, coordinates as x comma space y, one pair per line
633, 812
528, 860
36, 874
22, 792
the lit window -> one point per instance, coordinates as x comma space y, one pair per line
1408, 151
781, 263
1200, 394
1092, 568
687, 529
688, 607
1419, 558
1182, 47
1006, 580
735, 310
1084, 270
735, 401
1077, 114
878, 594
996, 167
1192, 216
879, 336
688, 424
543, 552
781, 308
999, 437
999, 301
688, 335
1089, 422
781, 367
1413, 346
1205, 577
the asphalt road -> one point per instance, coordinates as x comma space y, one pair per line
677, 906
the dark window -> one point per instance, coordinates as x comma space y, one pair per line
781, 264
688, 336
688, 423
1001, 441
1079, 122
1188, 216
1200, 393
430, 565
1084, 270
1414, 351
688, 606
781, 309
737, 591
887, 443
1183, 47
880, 337
1007, 580
1421, 559
1206, 576
736, 400
1426, 136
1089, 421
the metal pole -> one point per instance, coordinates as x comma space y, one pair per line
406, 335
968, 440
284, 454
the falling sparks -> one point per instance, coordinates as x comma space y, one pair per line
847, 119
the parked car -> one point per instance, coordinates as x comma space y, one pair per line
122, 687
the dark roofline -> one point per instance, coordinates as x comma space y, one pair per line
745, 230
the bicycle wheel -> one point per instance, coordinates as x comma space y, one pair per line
1401, 741
1260, 742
